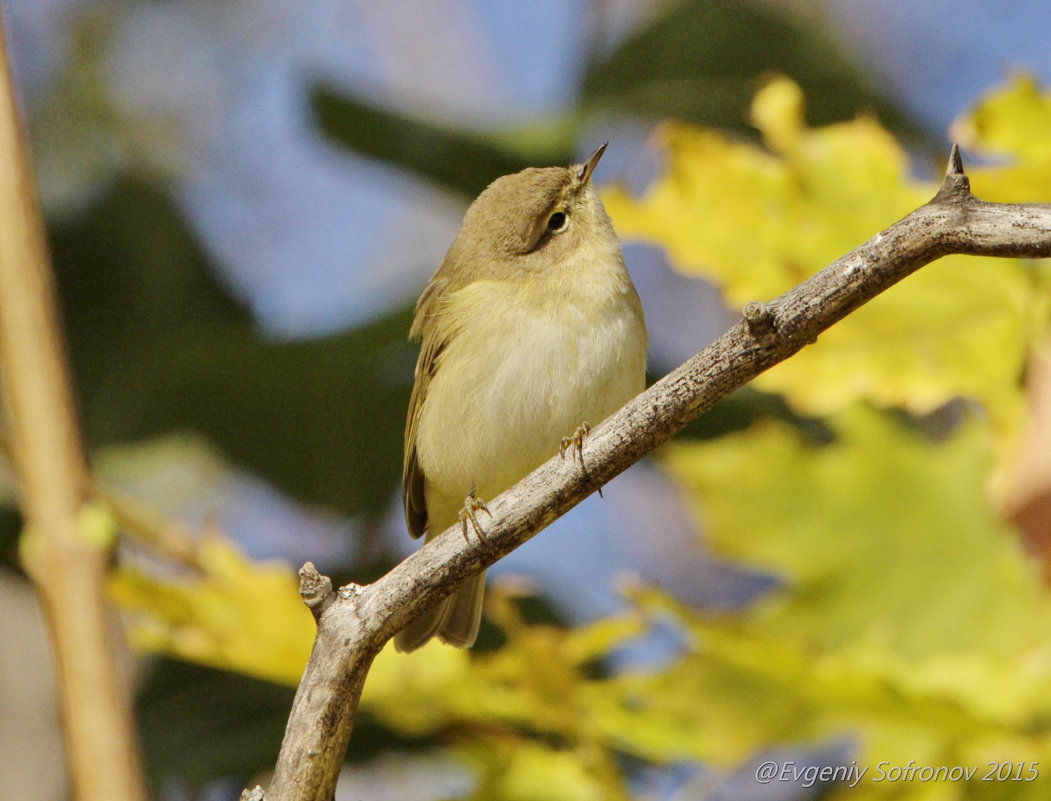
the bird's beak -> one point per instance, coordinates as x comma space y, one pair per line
588, 166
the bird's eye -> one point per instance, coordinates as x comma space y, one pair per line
557, 222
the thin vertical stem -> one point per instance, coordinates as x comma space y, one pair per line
67, 569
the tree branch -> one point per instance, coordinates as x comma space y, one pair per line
355, 622
68, 570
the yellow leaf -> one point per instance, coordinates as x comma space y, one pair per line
883, 531
778, 113
910, 616
536, 772
1012, 121
1010, 124
239, 615
757, 223
414, 693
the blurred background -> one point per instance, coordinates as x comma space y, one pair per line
244, 201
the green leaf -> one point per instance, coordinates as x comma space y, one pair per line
910, 615
236, 615
198, 724
882, 534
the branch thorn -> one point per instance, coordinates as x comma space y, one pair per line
956, 186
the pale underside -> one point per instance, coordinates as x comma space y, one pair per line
497, 406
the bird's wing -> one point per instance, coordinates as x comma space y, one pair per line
433, 342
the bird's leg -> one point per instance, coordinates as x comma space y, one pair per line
469, 514
575, 444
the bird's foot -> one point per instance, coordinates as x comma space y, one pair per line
575, 443
469, 515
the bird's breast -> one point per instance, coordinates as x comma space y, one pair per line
525, 367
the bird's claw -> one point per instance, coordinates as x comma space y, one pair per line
575, 443
469, 514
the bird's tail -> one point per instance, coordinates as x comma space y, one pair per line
454, 620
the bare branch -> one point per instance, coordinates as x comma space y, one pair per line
359, 620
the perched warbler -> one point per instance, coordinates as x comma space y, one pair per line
529, 329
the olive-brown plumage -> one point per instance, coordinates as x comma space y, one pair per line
529, 327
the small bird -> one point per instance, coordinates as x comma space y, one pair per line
529, 329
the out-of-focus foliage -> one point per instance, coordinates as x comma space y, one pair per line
808, 199
522, 717
900, 581
1011, 122
208, 722
875, 580
696, 61
700, 62
158, 345
220, 617
909, 617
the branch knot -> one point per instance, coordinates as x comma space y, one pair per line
759, 318
315, 589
